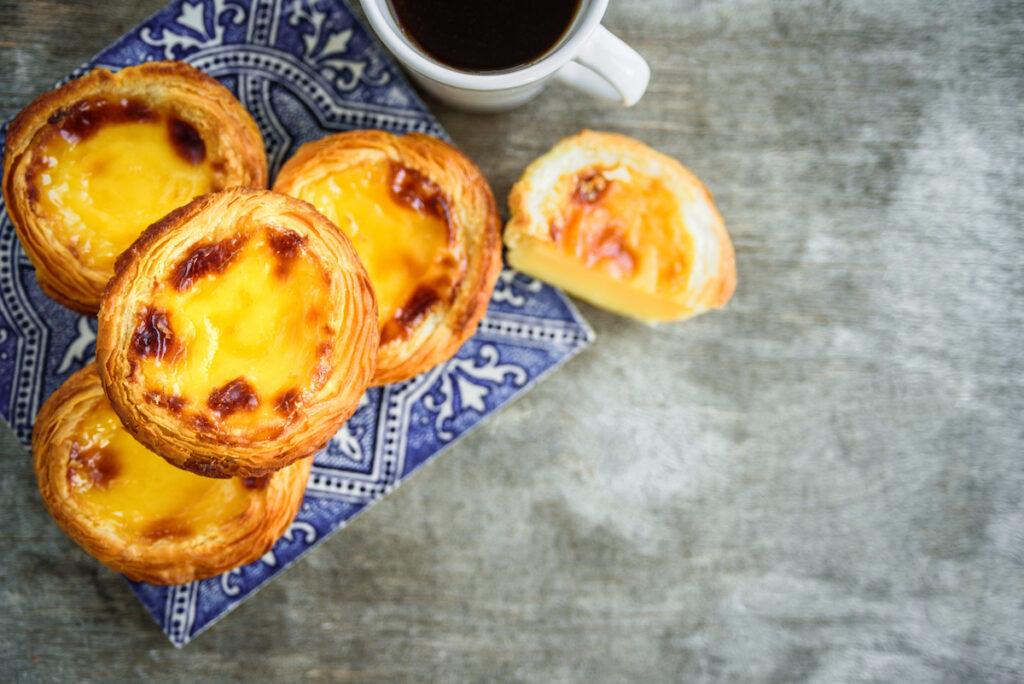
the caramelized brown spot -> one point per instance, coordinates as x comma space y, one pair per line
590, 187
260, 482
287, 402
409, 314
202, 424
186, 141
206, 259
286, 243
609, 245
590, 231
237, 395
94, 467
166, 528
171, 402
83, 118
415, 190
153, 336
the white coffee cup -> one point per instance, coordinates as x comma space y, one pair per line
589, 58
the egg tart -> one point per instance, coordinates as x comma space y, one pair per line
237, 334
138, 514
424, 222
622, 226
88, 166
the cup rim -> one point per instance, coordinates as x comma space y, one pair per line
413, 58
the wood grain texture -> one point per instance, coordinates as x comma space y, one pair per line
822, 482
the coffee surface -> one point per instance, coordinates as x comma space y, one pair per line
485, 36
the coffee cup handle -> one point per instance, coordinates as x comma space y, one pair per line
607, 68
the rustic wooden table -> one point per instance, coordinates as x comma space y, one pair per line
822, 482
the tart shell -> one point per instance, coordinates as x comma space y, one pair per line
352, 349
241, 540
473, 221
231, 137
539, 194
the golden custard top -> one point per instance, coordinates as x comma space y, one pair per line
400, 224
235, 336
118, 480
627, 225
107, 168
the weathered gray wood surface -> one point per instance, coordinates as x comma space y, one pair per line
824, 482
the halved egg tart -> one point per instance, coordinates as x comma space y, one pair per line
138, 514
424, 222
237, 334
622, 226
89, 165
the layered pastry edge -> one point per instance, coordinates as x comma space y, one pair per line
204, 123
580, 172
237, 426
428, 176
77, 480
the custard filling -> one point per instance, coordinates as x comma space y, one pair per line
120, 481
399, 224
618, 240
108, 169
237, 333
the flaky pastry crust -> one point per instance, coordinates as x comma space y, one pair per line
233, 147
541, 194
270, 507
474, 236
189, 433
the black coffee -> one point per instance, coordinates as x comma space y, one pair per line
485, 35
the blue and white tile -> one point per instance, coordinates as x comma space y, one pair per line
303, 69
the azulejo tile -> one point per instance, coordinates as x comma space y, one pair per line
303, 69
